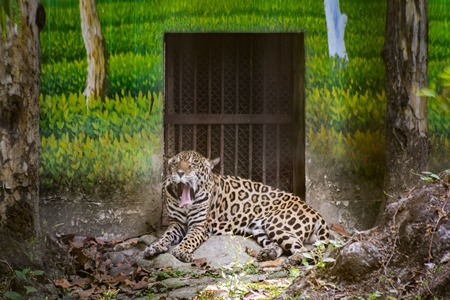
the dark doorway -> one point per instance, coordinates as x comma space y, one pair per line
240, 97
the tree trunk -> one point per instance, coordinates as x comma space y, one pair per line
405, 55
94, 41
20, 69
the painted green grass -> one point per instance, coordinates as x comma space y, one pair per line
344, 105
110, 143
134, 33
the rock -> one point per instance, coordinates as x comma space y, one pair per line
221, 250
187, 289
128, 244
47, 291
415, 217
147, 239
279, 274
143, 263
165, 260
440, 285
175, 283
357, 260
129, 252
255, 278
72, 295
115, 257
126, 297
122, 269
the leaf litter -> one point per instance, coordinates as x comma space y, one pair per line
96, 272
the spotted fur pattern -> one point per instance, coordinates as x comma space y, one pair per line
201, 203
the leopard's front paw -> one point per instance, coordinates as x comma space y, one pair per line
154, 249
182, 255
267, 254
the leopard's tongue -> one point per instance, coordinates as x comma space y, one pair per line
185, 198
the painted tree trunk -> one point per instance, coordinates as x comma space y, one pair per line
20, 69
405, 55
95, 44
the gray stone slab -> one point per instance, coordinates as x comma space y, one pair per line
219, 251
223, 250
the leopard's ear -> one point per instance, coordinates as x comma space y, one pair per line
171, 160
213, 162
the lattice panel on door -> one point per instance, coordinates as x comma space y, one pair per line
232, 96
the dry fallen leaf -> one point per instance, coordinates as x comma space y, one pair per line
255, 295
251, 252
140, 285
119, 278
64, 283
273, 281
65, 238
86, 293
129, 282
271, 263
212, 292
199, 262
76, 243
81, 281
339, 229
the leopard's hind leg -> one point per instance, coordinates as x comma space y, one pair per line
271, 250
293, 238
287, 233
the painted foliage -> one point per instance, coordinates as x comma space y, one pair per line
116, 142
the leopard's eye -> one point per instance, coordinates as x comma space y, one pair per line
195, 162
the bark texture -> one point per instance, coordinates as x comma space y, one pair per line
20, 69
95, 44
409, 252
405, 55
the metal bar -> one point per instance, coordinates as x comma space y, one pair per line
298, 99
236, 127
278, 155
168, 86
180, 97
169, 95
169, 130
222, 78
194, 129
222, 107
250, 129
208, 138
180, 81
250, 151
200, 119
278, 148
264, 152
180, 138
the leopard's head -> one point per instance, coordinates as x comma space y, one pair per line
190, 173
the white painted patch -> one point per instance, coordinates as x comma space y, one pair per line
336, 26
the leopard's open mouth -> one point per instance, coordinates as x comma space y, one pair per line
185, 193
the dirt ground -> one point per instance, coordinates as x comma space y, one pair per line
406, 257
224, 268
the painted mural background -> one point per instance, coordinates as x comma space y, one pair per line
115, 146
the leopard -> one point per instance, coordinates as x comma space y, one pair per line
201, 203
